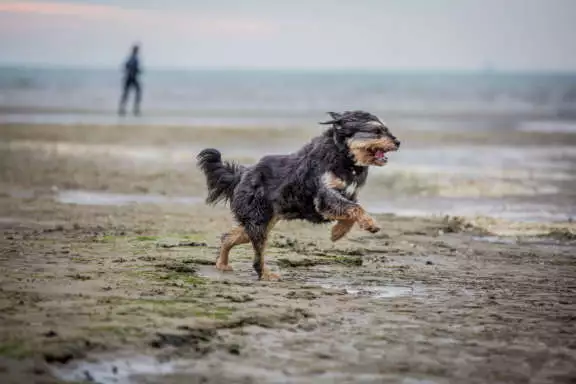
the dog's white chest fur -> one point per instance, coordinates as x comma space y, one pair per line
351, 189
332, 181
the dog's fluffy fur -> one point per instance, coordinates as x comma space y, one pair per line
319, 184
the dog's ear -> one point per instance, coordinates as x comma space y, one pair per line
336, 117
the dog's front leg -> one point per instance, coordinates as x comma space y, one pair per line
341, 229
358, 215
334, 206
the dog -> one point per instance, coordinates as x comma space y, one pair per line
319, 184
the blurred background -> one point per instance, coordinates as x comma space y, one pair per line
481, 92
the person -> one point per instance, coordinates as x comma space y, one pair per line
131, 80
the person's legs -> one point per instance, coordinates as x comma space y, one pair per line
124, 97
138, 96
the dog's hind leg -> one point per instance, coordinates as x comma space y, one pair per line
258, 235
230, 239
253, 209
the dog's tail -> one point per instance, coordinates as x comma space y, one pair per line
221, 177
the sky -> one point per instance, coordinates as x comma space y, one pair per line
528, 35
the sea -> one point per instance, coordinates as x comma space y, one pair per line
264, 97
526, 183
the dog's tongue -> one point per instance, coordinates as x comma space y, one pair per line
380, 155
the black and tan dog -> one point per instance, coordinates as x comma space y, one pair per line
319, 184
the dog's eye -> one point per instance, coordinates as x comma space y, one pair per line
379, 132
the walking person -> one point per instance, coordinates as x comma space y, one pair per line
131, 80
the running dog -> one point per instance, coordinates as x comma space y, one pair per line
319, 184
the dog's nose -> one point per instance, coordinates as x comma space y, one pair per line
397, 142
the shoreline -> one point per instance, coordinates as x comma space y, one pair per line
426, 121
479, 173
174, 133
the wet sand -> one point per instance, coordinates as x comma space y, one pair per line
106, 275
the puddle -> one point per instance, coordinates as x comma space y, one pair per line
148, 369
409, 380
105, 198
21, 194
210, 272
547, 126
376, 291
183, 154
473, 207
8, 222
496, 239
382, 292
114, 370
536, 241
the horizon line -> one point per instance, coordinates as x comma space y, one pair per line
162, 68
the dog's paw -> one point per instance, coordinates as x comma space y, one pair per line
373, 229
334, 237
269, 276
224, 267
370, 225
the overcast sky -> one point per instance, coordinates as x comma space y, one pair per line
405, 34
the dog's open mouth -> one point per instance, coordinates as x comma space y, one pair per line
372, 152
379, 155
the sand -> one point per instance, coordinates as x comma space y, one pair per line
110, 291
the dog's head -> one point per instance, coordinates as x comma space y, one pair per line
364, 136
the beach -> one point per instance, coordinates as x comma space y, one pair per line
107, 255
450, 124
